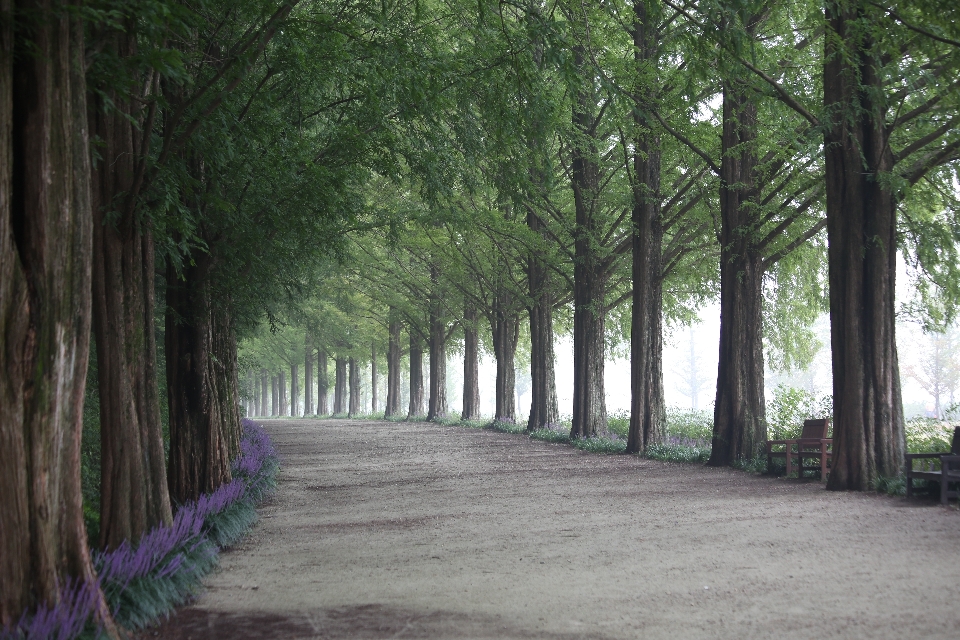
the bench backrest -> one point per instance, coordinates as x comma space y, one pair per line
815, 429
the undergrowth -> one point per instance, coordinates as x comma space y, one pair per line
144, 582
600, 444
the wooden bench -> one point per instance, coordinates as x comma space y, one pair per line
949, 469
812, 443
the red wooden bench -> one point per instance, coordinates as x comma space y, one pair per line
813, 443
949, 469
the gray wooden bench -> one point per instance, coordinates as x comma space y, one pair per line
921, 466
812, 443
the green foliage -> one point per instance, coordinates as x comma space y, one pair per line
756, 464
550, 435
696, 425
677, 453
506, 427
144, 600
928, 435
226, 527
600, 445
790, 407
619, 423
895, 486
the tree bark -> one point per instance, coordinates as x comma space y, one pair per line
544, 412
437, 405
282, 381
200, 355
868, 432
340, 386
739, 416
393, 370
45, 310
274, 401
416, 377
307, 375
354, 406
257, 394
471, 364
589, 288
647, 405
506, 332
373, 377
323, 386
133, 490
294, 389
264, 393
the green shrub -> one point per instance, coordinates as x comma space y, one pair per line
895, 486
506, 426
600, 444
619, 423
677, 453
928, 435
689, 424
550, 435
756, 464
790, 407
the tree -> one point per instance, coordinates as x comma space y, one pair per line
863, 164
45, 311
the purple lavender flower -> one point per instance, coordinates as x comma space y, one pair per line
161, 553
65, 620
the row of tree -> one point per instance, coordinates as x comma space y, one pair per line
172, 174
659, 153
179, 176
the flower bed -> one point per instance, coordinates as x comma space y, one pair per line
144, 583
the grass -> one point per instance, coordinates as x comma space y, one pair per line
600, 444
895, 486
550, 435
675, 452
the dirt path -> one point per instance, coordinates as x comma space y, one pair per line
397, 530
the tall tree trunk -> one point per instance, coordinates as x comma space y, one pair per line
323, 385
589, 280
133, 489
257, 394
340, 386
45, 311
282, 379
544, 412
294, 389
373, 376
437, 406
647, 405
739, 421
307, 376
393, 369
202, 412
274, 396
264, 393
471, 364
416, 376
354, 406
868, 432
506, 332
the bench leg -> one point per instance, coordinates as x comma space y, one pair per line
909, 486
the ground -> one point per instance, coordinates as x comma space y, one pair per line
414, 530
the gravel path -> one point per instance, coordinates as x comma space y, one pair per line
413, 530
